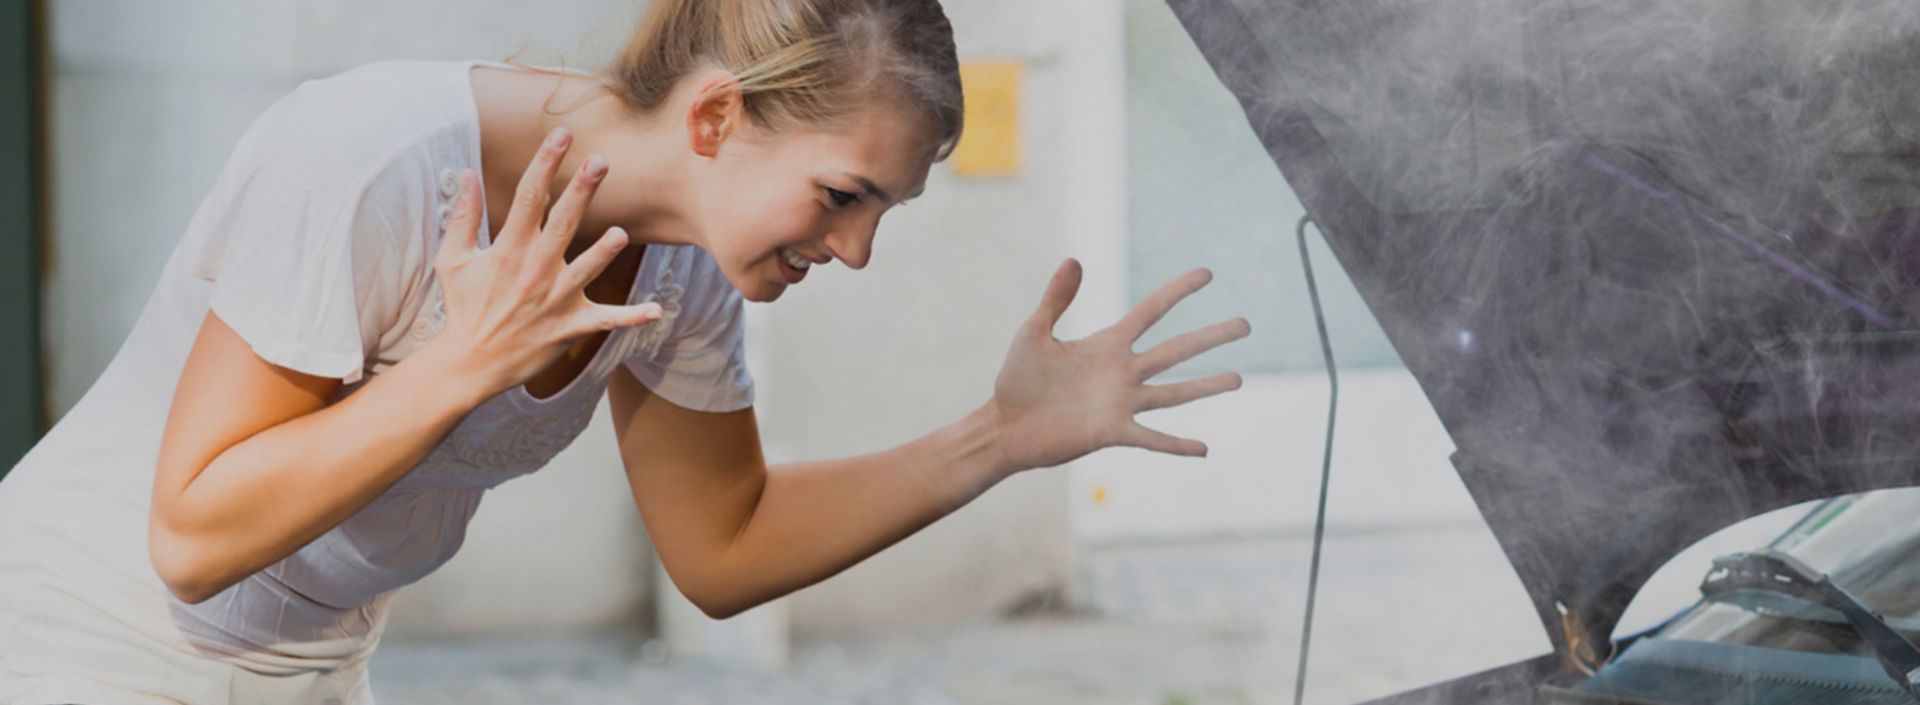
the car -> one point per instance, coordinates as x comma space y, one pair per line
1654, 264
1824, 613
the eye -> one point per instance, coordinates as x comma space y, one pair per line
841, 198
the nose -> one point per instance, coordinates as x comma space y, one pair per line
853, 243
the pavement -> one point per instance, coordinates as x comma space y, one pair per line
1189, 623
1181, 623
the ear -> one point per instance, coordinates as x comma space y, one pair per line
716, 114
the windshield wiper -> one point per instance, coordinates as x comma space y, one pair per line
1767, 570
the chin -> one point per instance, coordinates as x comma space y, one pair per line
758, 290
758, 282
763, 294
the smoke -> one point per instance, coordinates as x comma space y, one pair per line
1654, 262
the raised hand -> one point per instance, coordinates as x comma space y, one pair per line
515, 305
1057, 400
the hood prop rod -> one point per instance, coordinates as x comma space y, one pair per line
1326, 459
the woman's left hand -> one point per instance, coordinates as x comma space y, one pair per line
1057, 400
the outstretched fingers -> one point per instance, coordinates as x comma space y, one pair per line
530, 196
605, 317
1151, 309
1189, 344
1060, 292
588, 265
565, 216
1161, 396
1140, 436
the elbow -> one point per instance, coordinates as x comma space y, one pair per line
190, 595
193, 593
712, 603
713, 611
704, 594
173, 560
185, 585
718, 609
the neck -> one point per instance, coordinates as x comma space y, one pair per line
645, 189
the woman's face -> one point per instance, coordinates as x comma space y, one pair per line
814, 194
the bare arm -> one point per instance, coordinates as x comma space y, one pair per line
752, 533
253, 464
734, 533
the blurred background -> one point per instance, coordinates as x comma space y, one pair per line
1096, 131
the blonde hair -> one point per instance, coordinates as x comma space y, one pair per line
800, 62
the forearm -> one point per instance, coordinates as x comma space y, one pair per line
815, 519
742, 533
263, 498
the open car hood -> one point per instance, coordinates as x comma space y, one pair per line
1653, 263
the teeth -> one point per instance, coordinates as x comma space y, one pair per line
795, 261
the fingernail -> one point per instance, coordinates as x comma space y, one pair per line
558, 138
595, 167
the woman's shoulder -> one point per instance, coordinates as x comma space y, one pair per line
364, 150
351, 126
374, 138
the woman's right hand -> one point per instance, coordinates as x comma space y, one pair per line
513, 308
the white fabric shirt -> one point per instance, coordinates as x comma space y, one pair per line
316, 247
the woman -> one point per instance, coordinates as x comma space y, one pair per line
377, 315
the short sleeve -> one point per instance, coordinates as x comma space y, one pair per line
304, 238
702, 364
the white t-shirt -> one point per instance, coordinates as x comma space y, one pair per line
316, 247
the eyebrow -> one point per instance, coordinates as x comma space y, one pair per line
872, 188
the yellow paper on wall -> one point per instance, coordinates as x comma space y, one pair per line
990, 145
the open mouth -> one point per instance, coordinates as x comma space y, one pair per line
793, 267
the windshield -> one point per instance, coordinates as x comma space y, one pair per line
1868, 543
